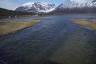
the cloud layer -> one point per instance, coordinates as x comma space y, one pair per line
81, 1
8, 4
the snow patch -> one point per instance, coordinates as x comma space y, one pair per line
36, 7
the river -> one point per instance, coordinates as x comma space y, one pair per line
55, 40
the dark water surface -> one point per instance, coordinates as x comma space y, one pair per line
55, 40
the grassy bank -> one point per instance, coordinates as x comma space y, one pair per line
88, 24
9, 27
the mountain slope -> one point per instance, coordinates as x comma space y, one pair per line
36, 7
78, 3
5, 13
76, 6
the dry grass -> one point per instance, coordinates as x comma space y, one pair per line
9, 27
88, 24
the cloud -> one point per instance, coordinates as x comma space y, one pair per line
81, 1
8, 4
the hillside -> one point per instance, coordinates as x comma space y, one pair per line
4, 13
76, 6
74, 10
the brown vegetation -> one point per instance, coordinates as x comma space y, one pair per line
88, 24
9, 27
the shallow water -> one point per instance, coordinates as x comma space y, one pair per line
55, 40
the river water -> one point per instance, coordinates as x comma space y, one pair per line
55, 40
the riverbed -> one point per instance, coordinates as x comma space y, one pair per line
55, 40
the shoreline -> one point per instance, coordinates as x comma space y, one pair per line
91, 25
12, 27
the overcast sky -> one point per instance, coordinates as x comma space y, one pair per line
12, 4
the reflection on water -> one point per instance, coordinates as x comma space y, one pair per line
76, 49
54, 41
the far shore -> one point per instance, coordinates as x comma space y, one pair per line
33, 16
91, 25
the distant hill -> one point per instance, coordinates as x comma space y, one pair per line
4, 13
74, 10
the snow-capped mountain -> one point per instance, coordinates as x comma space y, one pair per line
76, 6
36, 7
78, 3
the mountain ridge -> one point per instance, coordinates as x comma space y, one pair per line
39, 7
73, 4
36, 7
